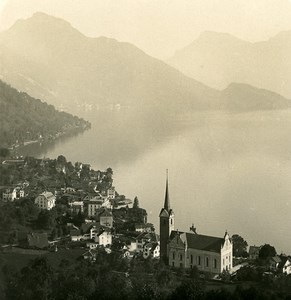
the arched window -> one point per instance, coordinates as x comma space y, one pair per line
207, 262
215, 263
199, 260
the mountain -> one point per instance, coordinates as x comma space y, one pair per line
238, 97
48, 58
24, 119
218, 59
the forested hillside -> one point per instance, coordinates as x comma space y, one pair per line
23, 118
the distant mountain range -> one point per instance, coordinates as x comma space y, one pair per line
24, 119
218, 59
49, 59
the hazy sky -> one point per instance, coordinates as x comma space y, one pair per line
160, 26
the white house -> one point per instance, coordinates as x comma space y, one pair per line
45, 200
111, 193
11, 194
285, 265
104, 238
151, 249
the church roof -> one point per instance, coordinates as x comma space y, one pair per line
199, 241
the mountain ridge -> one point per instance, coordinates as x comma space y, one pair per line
59, 64
264, 64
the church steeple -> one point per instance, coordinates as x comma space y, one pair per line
166, 224
167, 198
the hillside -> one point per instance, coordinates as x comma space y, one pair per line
218, 59
48, 58
238, 97
23, 118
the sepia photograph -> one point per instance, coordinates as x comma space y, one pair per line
145, 149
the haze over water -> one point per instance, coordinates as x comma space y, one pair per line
227, 171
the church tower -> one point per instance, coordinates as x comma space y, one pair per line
166, 224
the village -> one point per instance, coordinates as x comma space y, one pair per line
73, 206
89, 210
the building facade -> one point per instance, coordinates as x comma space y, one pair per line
45, 200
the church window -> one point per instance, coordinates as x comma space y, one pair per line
181, 257
171, 221
199, 260
207, 262
173, 255
215, 263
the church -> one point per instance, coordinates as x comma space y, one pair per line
189, 249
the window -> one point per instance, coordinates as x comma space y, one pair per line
198, 260
171, 221
215, 263
181, 257
173, 255
207, 262
173, 264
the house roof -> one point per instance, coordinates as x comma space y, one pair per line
75, 232
85, 227
276, 259
199, 241
47, 195
105, 213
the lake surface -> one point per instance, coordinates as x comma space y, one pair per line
226, 171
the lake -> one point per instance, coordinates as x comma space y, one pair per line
226, 171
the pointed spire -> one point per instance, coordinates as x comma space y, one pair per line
167, 199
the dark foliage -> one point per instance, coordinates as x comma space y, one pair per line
23, 118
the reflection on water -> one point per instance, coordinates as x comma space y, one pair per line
227, 171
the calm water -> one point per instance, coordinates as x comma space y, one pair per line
227, 172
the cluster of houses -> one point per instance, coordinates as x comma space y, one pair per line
277, 264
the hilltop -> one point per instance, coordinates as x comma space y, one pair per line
218, 59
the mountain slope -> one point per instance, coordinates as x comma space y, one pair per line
48, 58
238, 97
218, 59
23, 118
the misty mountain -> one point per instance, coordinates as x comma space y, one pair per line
239, 97
48, 58
23, 118
217, 59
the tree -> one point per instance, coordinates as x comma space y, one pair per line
32, 282
4, 152
135, 203
61, 160
267, 251
239, 246
189, 290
